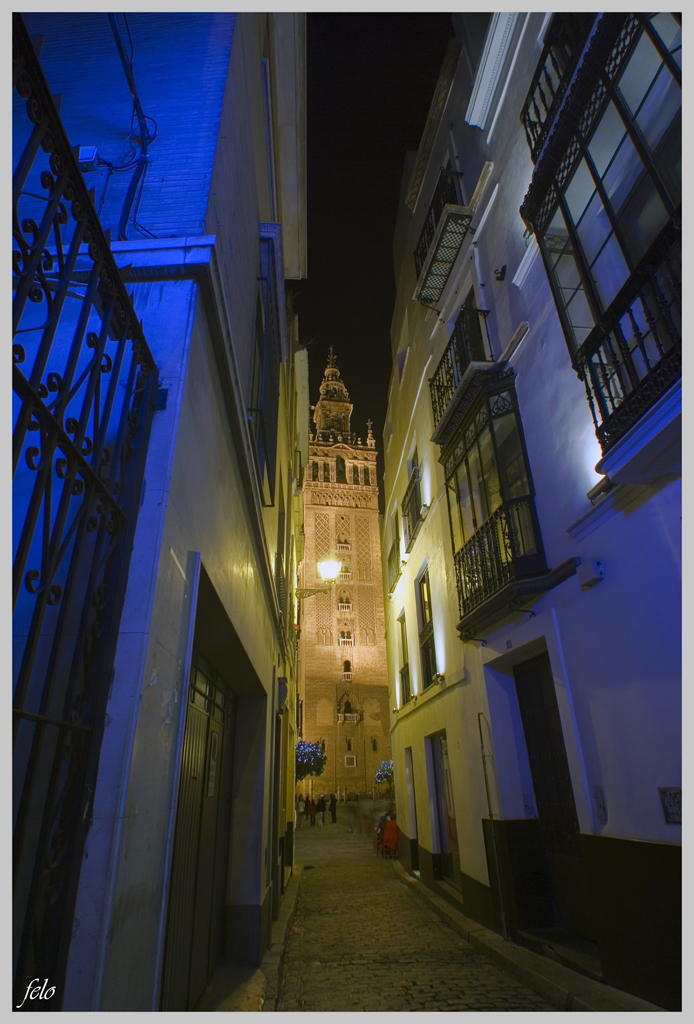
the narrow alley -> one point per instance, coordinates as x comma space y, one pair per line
360, 941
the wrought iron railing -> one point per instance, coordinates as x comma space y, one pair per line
348, 718
490, 559
394, 565
428, 654
465, 346
85, 388
405, 692
635, 354
566, 37
412, 508
444, 193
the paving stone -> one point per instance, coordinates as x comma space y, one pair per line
361, 941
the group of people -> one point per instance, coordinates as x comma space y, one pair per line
311, 809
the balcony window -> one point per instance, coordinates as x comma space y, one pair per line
427, 649
494, 527
367, 475
445, 227
606, 211
411, 508
326, 472
340, 470
346, 639
394, 565
314, 470
466, 346
405, 693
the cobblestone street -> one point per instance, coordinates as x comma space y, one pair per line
360, 941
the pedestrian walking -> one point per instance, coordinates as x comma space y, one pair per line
320, 808
307, 804
333, 807
312, 811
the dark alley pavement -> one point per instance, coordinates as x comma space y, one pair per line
360, 941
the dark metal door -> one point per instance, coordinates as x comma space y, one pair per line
554, 795
196, 902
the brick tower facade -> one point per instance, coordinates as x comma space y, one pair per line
343, 667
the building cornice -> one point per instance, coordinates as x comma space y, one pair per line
488, 74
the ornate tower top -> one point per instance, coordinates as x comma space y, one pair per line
334, 409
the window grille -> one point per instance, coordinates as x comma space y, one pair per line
86, 389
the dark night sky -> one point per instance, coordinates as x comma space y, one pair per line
370, 81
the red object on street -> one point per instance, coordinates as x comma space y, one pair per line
390, 838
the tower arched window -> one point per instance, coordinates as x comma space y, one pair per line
355, 474
314, 470
340, 470
326, 472
367, 475
348, 707
347, 666
349, 744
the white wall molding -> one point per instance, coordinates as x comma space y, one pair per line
495, 50
526, 264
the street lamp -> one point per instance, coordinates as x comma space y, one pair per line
329, 572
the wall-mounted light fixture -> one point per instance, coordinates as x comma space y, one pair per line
329, 572
438, 677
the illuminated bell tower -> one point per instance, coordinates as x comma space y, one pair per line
343, 668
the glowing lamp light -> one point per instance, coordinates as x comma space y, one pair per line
329, 571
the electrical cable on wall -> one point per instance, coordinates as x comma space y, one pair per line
143, 140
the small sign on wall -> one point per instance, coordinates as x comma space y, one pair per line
671, 799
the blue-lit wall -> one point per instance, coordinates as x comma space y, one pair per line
180, 66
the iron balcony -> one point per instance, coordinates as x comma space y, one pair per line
634, 355
464, 348
445, 227
564, 43
502, 568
